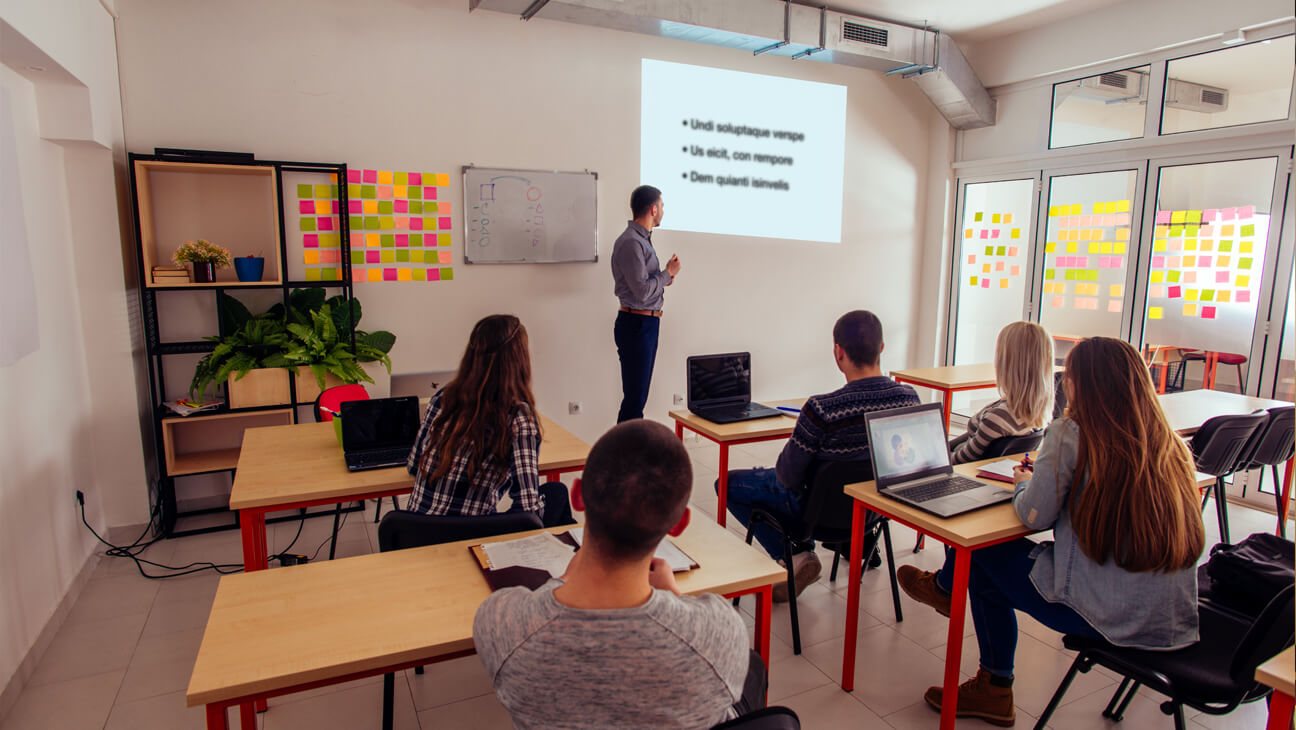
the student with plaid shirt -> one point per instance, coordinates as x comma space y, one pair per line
480, 437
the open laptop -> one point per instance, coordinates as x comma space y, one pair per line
719, 388
911, 462
380, 432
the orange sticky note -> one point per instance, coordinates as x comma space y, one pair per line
445, 257
375, 274
312, 256
967, 233
404, 275
1008, 219
372, 240
370, 206
1003, 283
323, 207
385, 177
442, 180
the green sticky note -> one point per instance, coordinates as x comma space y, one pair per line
332, 275
384, 207
416, 239
357, 257
387, 240
1172, 277
1048, 274
1244, 263
1070, 274
1176, 231
447, 274
416, 207
329, 240
1190, 231
1002, 251
312, 274
387, 222
1225, 246
402, 256
1248, 230
307, 224
989, 251
977, 216
430, 207
417, 256
305, 191
389, 257
371, 223
357, 221
322, 191
369, 192
415, 191
333, 191
1093, 275
402, 178
1208, 295
420, 274
353, 190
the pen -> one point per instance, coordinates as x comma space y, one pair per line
789, 409
1026, 461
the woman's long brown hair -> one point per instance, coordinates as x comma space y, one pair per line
477, 406
1134, 496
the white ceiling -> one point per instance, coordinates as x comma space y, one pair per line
973, 21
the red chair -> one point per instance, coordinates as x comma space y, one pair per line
328, 403
1221, 358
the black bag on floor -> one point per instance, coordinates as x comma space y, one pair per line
1246, 576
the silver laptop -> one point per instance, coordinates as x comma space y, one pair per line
911, 461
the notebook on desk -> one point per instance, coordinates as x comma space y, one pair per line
719, 389
531, 561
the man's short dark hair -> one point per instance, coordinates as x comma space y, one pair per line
643, 199
636, 485
859, 333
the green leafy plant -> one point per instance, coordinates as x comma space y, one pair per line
255, 343
203, 251
319, 347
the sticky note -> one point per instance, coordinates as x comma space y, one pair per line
1015, 271
971, 280
1190, 244
1189, 309
1106, 247
311, 257
1209, 215
1243, 296
1116, 290
1016, 233
402, 240
400, 191
1070, 275
1003, 283
1223, 261
373, 257
1007, 218
1225, 246
325, 224
388, 257
1049, 274
1053, 211
374, 274
1071, 247
1208, 295
418, 256
373, 240
1173, 276
357, 240
1000, 251
1208, 312
1012, 250
429, 193
1122, 206
1158, 262
1163, 216
1248, 230
330, 256
1154, 313
402, 222
1191, 295
1122, 234
1193, 216
1114, 305
1178, 216
357, 257
416, 239
443, 224
442, 179
966, 234
1189, 261
443, 239
310, 240
384, 192
985, 283
989, 250
1190, 277
1244, 247
985, 268
368, 191
999, 266
1095, 247
383, 207
1203, 261
1243, 281
994, 233
1158, 245
308, 224
1162, 231
1057, 301
312, 275
1244, 263
978, 217
1119, 247
1191, 231
1245, 212
387, 240
1174, 292
1076, 209
1223, 295
403, 256
1086, 303
1176, 231
1158, 277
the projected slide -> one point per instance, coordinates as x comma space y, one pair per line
743, 154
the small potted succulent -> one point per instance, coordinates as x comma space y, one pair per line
205, 256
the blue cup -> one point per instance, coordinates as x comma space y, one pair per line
249, 268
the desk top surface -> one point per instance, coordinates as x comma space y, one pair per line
301, 462
761, 428
980, 375
1279, 672
1188, 410
280, 628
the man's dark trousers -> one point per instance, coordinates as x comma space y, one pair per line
636, 341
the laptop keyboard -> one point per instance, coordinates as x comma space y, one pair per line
378, 458
938, 489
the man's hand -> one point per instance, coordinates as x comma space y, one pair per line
673, 266
661, 577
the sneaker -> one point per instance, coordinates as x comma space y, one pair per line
921, 586
805, 570
977, 697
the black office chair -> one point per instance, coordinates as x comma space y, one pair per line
769, 718
401, 529
1214, 675
1221, 447
827, 518
1274, 447
1059, 396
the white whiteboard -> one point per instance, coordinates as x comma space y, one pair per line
529, 216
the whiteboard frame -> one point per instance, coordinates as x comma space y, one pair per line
466, 208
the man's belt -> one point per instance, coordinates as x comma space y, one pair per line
644, 312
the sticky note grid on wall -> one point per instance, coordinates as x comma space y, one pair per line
993, 250
1085, 255
1205, 262
400, 227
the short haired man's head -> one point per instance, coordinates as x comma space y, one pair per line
859, 335
635, 488
643, 199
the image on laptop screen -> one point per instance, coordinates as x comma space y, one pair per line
720, 377
908, 443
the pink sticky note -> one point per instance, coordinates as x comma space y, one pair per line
389, 274
402, 240
985, 232
443, 223
1016, 270
310, 240
307, 207
416, 224
1057, 302
1113, 305
1242, 296
435, 275
1210, 214
1163, 216
324, 224
335, 207
1203, 261
1012, 250
1221, 277
401, 206
402, 222
1158, 262
353, 176
370, 176
1122, 219
1206, 232
416, 178
384, 192
373, 257
429, 193
985, 283
999, 266
1208, 312
1173, 292
1228, 214
1156, 290
1246, 212
355, 207
994, 233
972, 259
357, 240
330, 256
1109, 219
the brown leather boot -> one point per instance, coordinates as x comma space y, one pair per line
977, 697
921, 586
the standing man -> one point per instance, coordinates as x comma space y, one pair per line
639, 285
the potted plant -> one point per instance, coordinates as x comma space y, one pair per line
249, 268
206, 258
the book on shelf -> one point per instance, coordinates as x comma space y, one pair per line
170, 274
185, 407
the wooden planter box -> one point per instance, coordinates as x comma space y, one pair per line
269, 386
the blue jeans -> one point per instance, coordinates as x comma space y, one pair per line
998, 584
750, 488
636, 341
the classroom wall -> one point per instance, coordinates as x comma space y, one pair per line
69, 405
428, 86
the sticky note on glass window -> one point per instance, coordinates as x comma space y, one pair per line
985, 268
1189, 309
1223, 295
1122, 234
1189, 261
966, 234
1053, 211
1000, 251
1225, 246
1223, 261
1012, 250
1016, 233
1158, 245
1248, 230
1003, 283
1243, 281
1243, 296
1244, 247
1191, 295
1154, 312
1050, 247
1178, 216
1114, 305
1244, 263
1208, 313
1172, 276
1049, 274
1071, 247
1158, 277
1245, 212
1174, 292
1156, 290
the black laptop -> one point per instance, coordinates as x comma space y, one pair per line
719, 389
911, 461
380, 432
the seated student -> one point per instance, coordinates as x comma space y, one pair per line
480, 438
613, 643
1024, 373
1116, 486
831, 428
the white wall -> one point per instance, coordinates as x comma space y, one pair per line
69, 407
428, 86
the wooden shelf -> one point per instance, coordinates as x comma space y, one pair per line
204, 443
203, 461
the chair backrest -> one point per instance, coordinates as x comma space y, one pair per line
1220, 445
827, 507
1013, 444
1059, 395
769, 718
1278, 442
333, 398
1271, 632
401, 529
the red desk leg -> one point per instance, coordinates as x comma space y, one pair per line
1280, 711
679, 430
253, 526
216, 718
853, 569
247, 716
954, 643
722, 490
1286, 497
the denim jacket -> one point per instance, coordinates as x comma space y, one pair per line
1150, 610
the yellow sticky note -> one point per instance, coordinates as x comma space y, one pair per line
994, 217
1105, 247
1190, 244
1190, 295
972, 281
1116, 290
416, 257
1244, 247
323, 191
385, 177
387, 222
370, 206
1122, 206
1223, 295
1053, 211
323, 207
1007, 218
1243, 281
1016, 233
1100, 207
1122, 234
1095, 247
967, 233
1120, 247
1178, 216
1071, 247
1158, 245
1003, 283
1162, 231
1194, 216
404, 275
1190, 309
375, 274
1050, 247
1154, 313
985, 268
1077, 209
1158, 277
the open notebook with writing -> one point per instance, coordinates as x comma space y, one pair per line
531, 561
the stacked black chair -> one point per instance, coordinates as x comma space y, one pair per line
1222, 446
1273, 447
769, 718
401, 529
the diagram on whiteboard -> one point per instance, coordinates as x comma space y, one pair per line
516, 216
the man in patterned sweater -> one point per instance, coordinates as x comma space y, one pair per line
830, 428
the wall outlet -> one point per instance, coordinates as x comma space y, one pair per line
575, 407
679, 399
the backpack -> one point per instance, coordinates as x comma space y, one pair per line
1246, 576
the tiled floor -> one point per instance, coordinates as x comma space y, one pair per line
123, 657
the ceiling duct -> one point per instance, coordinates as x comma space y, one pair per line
790, 29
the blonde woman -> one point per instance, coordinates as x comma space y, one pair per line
1024, 374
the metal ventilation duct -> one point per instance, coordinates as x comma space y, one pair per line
789, 29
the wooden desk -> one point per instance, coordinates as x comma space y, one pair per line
949, 380
732, 434
1280, 673
286, 467
964, 533
272, 633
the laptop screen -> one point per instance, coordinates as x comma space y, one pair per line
715, 379
380, 423
908, 443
